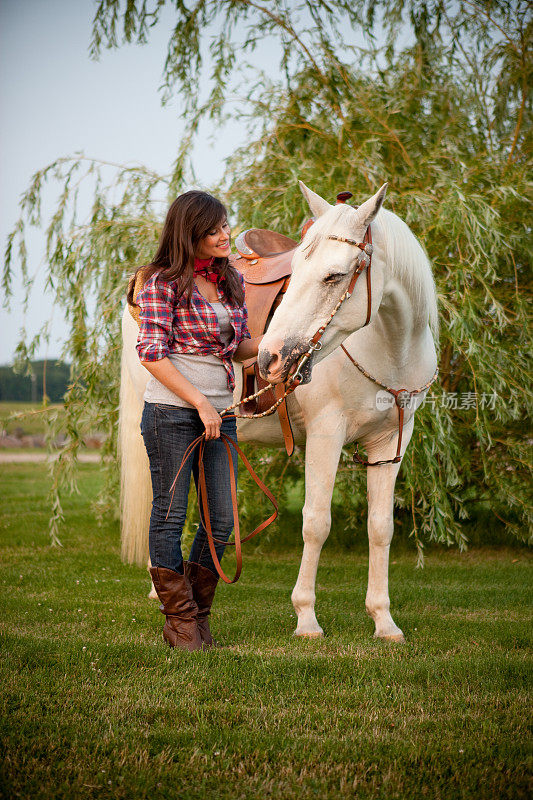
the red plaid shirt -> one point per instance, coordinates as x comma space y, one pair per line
168, 326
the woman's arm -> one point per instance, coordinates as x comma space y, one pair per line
247, 349
167, 374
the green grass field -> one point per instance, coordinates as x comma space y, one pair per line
95, 706
29, 417
24, 418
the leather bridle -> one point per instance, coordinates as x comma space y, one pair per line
363, 260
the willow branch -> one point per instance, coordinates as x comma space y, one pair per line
481, 10
518, 124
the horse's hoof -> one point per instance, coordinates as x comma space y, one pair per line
393, 637
309, 634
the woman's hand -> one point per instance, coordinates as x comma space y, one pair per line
211, 419
247, 348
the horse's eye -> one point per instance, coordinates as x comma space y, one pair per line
334, 277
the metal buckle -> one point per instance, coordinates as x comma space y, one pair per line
317, 346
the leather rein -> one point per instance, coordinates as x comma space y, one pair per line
401, 397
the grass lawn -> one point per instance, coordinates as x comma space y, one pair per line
95, 706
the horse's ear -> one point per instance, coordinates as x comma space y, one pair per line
317, 204
369, 209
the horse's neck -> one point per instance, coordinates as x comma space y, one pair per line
393, 348
395, 324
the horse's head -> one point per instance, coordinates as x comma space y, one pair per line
322, 268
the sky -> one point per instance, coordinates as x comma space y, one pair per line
55, 101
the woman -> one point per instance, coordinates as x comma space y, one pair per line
193, 322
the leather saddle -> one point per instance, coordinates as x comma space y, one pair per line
264, 259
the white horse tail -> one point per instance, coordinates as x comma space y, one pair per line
135, 483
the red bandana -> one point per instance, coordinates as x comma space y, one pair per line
201, 267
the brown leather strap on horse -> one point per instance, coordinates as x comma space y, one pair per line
285, 420
401, 398
203, 502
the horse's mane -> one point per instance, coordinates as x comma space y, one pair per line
409, 264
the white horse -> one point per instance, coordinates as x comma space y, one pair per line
338, 405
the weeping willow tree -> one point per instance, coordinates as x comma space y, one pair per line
432, 97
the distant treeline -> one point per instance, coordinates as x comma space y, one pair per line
51, 377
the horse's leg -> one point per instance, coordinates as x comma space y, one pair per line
321, 460
380, 493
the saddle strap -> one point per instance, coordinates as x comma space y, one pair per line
203, 502
285, 420
356, 458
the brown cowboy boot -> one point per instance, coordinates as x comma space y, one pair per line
203, 583
177, 603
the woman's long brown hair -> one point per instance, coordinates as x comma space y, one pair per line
190, 217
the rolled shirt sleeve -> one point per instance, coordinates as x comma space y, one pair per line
156, 303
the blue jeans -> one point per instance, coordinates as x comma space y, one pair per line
167, 431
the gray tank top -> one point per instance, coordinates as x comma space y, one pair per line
207, 372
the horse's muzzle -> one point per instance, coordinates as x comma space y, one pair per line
275, 363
